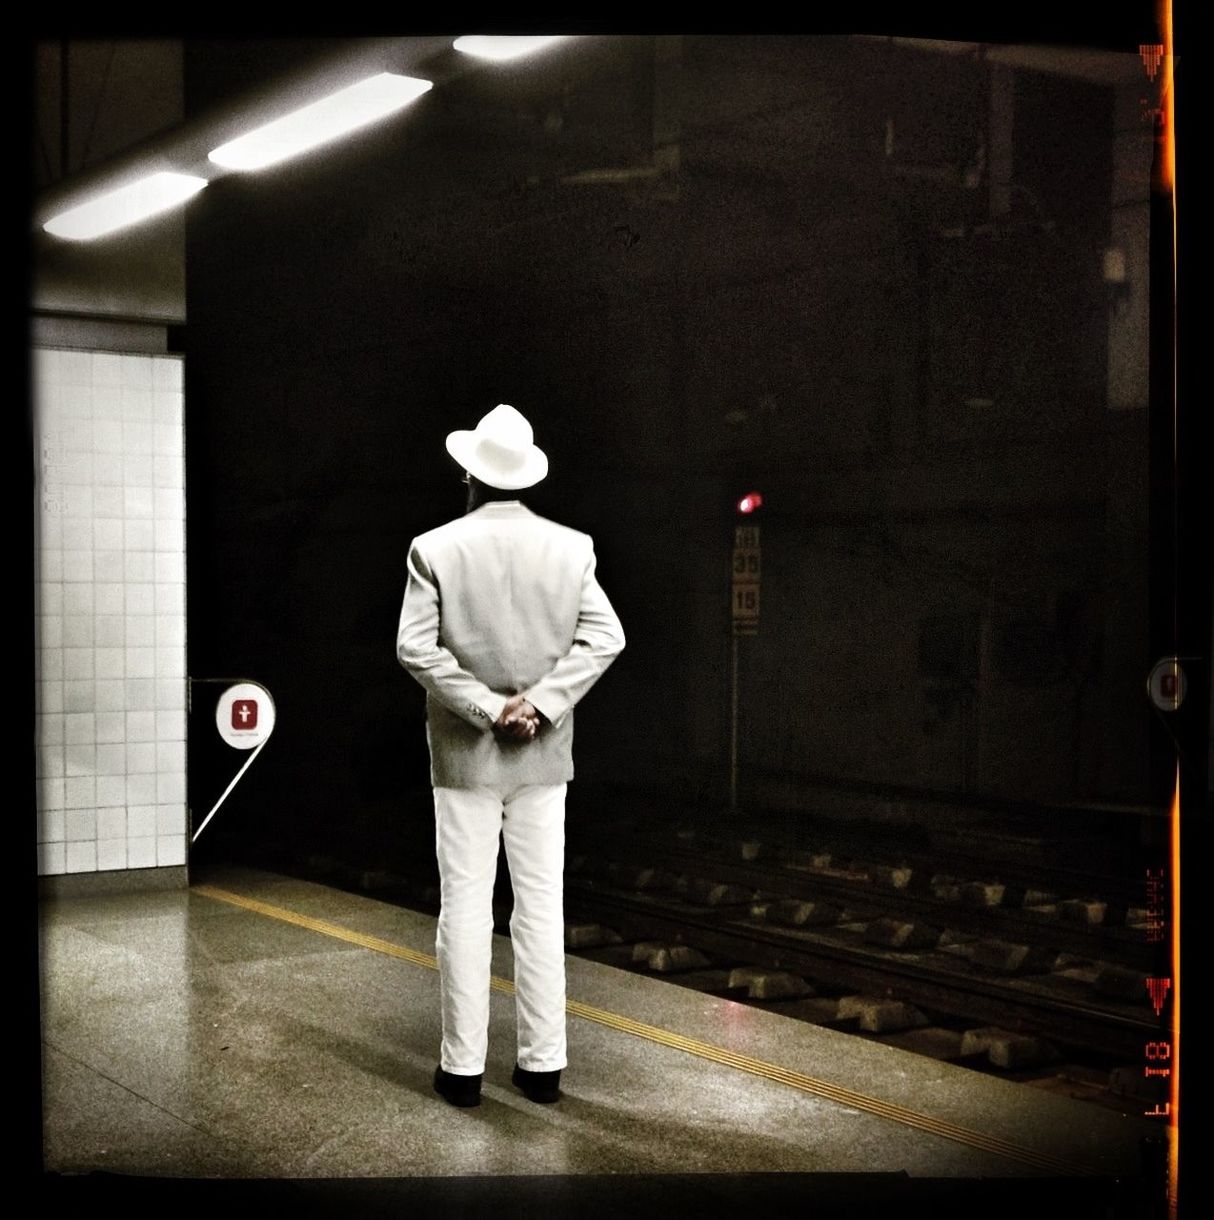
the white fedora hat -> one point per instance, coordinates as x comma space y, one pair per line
500, 452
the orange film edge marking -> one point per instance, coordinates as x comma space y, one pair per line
1168, 98
1174, 1114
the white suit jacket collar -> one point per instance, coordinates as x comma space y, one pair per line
502, 508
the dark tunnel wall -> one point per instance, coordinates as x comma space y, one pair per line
800, 290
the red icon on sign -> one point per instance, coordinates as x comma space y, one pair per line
244, 714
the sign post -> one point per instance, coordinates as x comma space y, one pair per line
245, 718
744, 609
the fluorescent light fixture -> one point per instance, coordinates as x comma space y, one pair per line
321, 121
503, 46
125, 206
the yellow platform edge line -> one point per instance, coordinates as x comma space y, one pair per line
704, 1050
825, 1089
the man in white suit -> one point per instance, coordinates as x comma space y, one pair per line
506, 627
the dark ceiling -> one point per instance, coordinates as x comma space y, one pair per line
603, 112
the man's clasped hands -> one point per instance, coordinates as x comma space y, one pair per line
519, 721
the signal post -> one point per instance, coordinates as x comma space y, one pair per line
744, 613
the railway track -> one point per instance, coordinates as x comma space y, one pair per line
839, 957
907, 889
1023, 967
1002, 962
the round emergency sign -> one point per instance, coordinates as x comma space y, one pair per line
1167, 684
245, 715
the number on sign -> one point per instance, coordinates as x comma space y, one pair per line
746, 601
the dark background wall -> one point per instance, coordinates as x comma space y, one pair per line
863, 278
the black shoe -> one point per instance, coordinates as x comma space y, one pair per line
538, 1086
463, 1091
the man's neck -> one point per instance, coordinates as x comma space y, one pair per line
480, 494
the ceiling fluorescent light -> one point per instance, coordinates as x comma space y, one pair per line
503, 46
125, 206
320, 122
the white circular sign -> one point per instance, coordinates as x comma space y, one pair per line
245, 715
1167, 684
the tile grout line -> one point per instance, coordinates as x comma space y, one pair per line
185, 1122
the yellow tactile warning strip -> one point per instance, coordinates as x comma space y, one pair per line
693, 1046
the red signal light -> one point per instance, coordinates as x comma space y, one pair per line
749, 502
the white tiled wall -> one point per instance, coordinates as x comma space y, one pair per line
110, 626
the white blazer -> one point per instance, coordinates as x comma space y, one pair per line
498, 602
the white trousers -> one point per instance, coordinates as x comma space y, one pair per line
468, 825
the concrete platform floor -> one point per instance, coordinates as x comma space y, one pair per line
263, 1028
